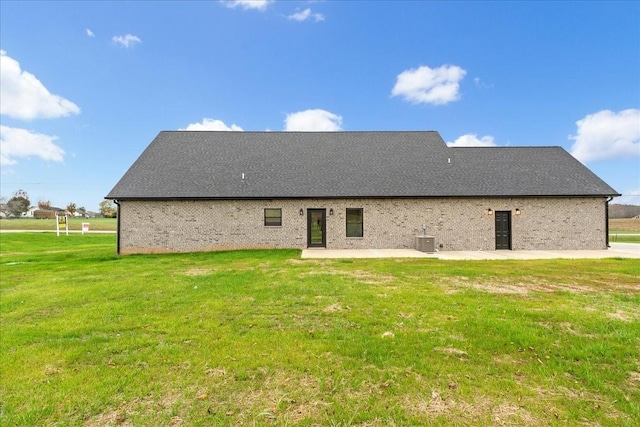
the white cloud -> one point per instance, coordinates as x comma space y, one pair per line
128, 40
471, 140
306, 14
424, 85
481, 84
313, 120
17, 143
607, 135
248, 4
89, 33
212, 124
300, 16
25, 97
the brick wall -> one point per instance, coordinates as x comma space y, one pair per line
457, 224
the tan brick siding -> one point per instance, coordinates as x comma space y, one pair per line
456, 223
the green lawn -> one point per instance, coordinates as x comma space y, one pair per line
265, 338
95, 224
624, 237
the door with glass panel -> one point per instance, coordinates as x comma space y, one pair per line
316, 228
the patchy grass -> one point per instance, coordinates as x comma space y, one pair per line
617, 225
75, 224
265, 338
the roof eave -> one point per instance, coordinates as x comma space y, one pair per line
333, 197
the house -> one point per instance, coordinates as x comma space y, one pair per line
44, 214
201, 191
49, 213
30, 212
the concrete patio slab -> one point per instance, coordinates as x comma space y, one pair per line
365, 253
617, 250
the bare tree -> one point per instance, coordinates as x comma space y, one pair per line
4, 206
71, 208
44, 204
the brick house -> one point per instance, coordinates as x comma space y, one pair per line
201, 191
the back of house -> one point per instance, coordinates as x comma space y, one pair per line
202, 190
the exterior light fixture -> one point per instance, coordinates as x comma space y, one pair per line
331, 211
518, 212
301, 211
489, 211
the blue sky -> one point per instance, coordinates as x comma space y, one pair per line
86, 86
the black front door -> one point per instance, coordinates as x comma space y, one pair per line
503, 229
316, 228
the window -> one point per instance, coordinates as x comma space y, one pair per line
354, 222
272, 217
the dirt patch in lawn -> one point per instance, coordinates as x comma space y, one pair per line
148, 406
451, 350
296, 261
110, 418
568, 327
480, 411
280, 397
360, 275
502, 288
333, 308
621, 315
527, 285
198, 272
583, 396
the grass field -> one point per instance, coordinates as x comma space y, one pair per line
265, 338
623, 238
75, 224
620, 225
625, 230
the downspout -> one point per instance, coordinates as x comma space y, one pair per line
606, 219
118, 228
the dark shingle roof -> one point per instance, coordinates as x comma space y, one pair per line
195, 164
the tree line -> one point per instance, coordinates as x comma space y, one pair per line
624, 211
20, 203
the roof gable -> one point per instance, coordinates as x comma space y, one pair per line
197, 164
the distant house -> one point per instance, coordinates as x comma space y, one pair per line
29, 213
200, 191
37, 213
44, 214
